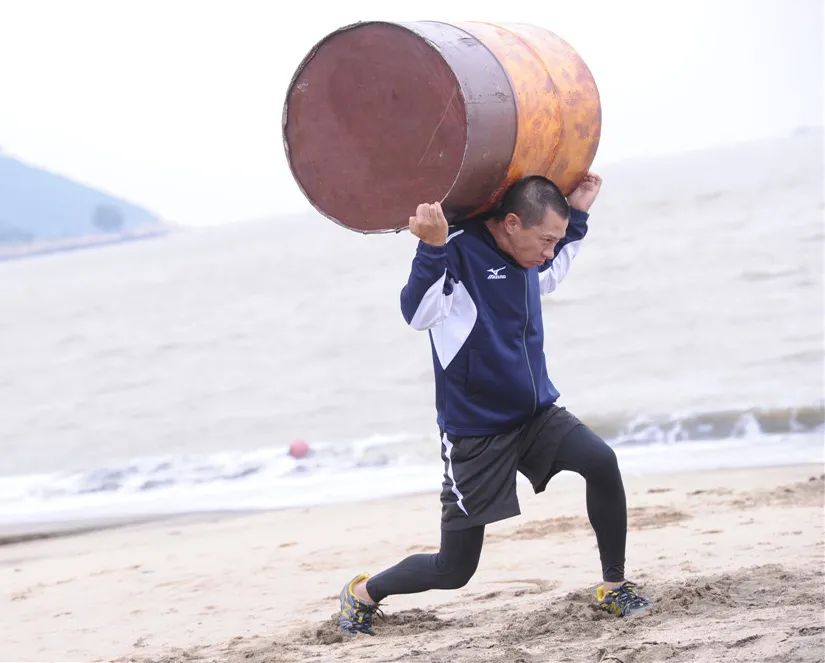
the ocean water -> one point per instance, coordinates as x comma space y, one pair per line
170, 374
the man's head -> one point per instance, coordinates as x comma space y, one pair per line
530, 220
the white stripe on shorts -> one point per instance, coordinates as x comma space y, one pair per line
448, 447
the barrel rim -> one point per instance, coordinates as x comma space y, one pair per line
482, 208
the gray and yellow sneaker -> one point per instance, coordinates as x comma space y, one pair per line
356, 616
623, 601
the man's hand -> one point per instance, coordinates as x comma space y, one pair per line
429, 224
584, 195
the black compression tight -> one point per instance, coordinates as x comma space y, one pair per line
450, 568
454, 564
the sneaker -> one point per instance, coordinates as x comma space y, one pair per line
624, 601
356, 616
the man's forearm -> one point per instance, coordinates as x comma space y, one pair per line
552, 273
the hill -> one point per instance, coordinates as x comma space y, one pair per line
42, 211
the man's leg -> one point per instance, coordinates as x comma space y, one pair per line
450, 568
479, 487
582, 451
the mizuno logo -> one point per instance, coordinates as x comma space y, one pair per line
494, 274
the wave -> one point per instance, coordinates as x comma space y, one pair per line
712, 425
383, 466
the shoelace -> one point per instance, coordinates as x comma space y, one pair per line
626, 594
364, 614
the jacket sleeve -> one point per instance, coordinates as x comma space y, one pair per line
427, 298
552, 272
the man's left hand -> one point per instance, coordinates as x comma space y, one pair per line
584, 194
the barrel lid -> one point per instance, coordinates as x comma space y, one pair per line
374, 123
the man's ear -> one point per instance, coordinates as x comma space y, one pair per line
511, 222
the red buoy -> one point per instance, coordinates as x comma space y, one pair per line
298, 448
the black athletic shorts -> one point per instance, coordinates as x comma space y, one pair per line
480, 472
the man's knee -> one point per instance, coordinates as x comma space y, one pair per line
602, 463
458, 575
607, 458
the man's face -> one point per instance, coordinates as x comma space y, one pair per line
530, 247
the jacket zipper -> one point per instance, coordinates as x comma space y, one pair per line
524, 340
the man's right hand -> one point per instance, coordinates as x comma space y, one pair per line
429, 224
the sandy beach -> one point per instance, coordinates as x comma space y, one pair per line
733, 559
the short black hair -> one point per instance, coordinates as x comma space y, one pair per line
529, 198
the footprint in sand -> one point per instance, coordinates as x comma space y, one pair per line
539, 585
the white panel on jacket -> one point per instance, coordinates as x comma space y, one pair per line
433, 307
452, 332
550, 278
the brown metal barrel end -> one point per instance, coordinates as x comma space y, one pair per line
374, 123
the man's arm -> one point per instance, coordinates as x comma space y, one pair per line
427, 298
552, 272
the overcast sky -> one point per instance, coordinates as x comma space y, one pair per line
177, 105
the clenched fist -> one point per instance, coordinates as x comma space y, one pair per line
429, 224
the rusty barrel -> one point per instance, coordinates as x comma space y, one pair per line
382, 116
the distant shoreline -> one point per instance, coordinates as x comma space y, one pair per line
31, 249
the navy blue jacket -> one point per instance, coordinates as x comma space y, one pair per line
483, 313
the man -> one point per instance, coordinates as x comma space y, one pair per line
476, 288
